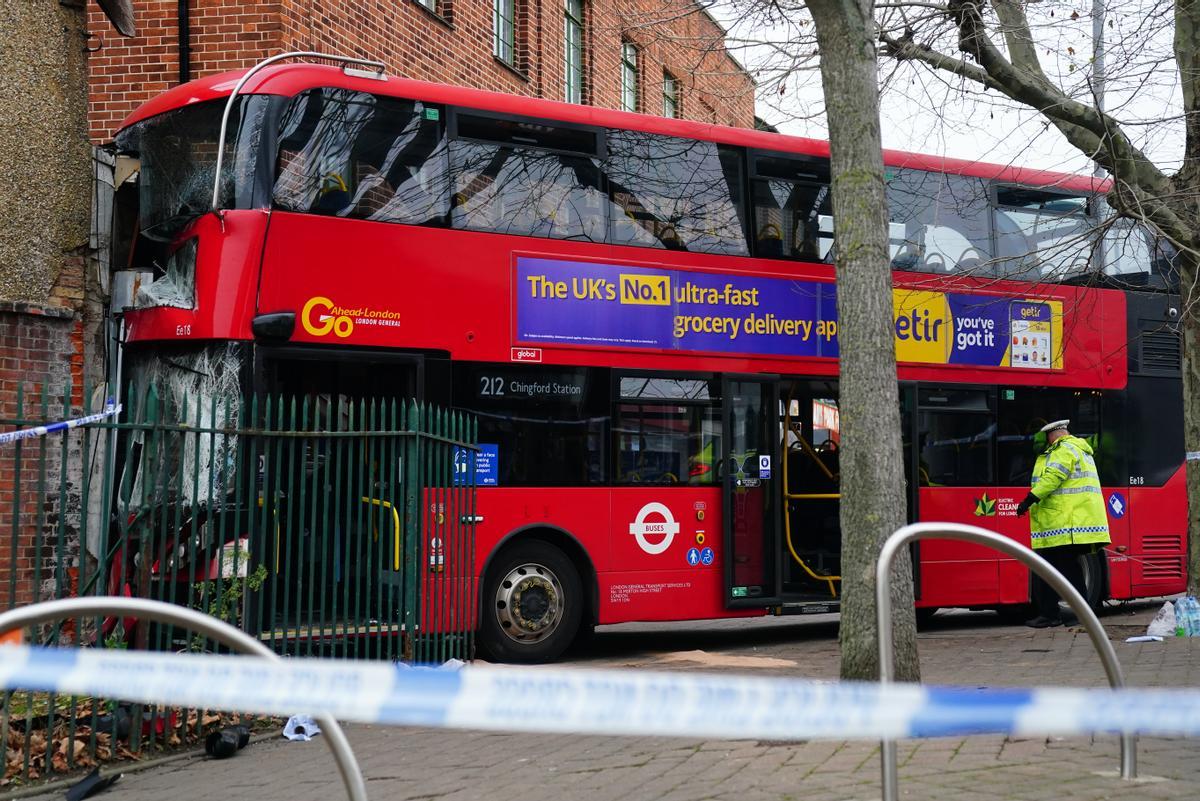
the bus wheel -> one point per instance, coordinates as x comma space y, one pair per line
532, 604
1095, 578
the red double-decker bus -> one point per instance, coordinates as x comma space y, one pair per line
641, 314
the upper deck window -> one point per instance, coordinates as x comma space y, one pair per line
352, 154
793, 218
676, 193
175, 154
527, 177
1042, 234
522, 132
939, 222
1133, 252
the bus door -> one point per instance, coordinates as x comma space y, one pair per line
812, 541
752, 489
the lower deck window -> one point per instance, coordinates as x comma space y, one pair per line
549, 425
667, 444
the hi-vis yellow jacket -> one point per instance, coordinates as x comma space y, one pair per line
1070, 508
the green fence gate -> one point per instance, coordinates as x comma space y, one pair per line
324, 525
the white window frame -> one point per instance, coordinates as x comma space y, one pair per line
670, 94
629, 76
573, 51
504, 30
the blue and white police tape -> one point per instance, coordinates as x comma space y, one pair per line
632, 702
65, 425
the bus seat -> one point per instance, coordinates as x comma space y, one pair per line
770, 241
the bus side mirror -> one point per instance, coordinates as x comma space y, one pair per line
274, 325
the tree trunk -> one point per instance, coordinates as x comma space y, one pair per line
1189, 265
872, 467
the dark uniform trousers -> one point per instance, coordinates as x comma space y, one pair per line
1064, 559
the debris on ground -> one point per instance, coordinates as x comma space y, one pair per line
1163, 624
301, 727
91, 784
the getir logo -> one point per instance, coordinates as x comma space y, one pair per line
318, 320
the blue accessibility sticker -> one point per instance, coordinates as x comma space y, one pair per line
693, 556
1117, 505
706, 556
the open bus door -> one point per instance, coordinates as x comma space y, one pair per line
810, 426
752, 490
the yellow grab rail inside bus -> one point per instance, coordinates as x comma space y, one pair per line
395, 525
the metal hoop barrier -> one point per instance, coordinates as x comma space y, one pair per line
955, 531
377, 66
210, 627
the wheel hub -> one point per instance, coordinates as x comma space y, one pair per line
529, 603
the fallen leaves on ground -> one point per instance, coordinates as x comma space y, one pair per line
67, 748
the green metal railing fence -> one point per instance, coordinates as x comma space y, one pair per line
323, 525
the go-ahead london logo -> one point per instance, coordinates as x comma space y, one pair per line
643, 528
321, 316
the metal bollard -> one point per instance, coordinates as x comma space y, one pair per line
956, 531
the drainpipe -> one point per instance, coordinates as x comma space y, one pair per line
185, 46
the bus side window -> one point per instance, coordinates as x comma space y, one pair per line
1022, 413
675, 193
1041, 234
667, 431
549, 425
956, 438
938, 223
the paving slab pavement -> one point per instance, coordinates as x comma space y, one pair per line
969, 649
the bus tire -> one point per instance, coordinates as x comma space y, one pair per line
532, 604
1095, 578
924, 615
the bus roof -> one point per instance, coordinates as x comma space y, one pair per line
291, 79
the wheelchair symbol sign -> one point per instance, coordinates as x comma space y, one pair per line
764, 466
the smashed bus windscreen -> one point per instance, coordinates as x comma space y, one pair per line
178, 155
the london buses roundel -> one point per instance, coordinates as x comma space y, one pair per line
654, 528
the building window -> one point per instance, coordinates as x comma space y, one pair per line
504, 30
629, 77
429, 4
670, 95
573, 46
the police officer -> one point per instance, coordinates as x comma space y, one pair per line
1068, 520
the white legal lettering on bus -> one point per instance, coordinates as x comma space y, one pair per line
667, 528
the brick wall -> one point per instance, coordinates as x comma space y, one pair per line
453, 46
41, 358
